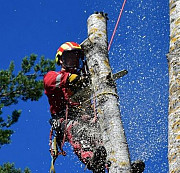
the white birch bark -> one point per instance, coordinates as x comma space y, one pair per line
174, 88
104, 89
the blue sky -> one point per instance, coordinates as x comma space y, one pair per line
140, 46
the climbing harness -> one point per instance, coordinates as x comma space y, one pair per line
109, 46
54, 150
53, 144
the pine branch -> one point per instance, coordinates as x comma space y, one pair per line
10, 168
27, 84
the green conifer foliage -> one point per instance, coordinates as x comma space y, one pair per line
26, 85
10, 168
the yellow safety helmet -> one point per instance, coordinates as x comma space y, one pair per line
67, 47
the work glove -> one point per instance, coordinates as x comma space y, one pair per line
77, 82
73, 79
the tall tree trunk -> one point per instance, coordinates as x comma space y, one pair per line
105, 94
174, 88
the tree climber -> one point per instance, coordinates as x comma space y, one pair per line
67, 119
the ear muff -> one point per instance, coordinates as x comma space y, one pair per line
58, 56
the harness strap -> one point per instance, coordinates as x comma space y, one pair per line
53, 145
54, 152
65, 130
52, 166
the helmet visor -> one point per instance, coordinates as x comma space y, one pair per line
71, 58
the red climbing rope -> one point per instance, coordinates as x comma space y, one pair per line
116, 25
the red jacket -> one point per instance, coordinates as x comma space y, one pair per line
57, 90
